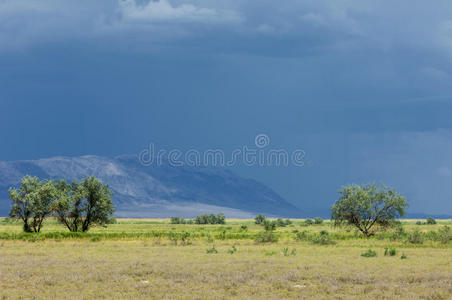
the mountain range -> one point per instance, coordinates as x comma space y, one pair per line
155, 191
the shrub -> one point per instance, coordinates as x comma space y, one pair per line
280, 222
222, 235
416, 237
177, 220
212, 250
95, 239
444, 235
301, 236
209, 238
286, 252
221, 219
323, 238
318, 221
403, 256
173, 237
390, 251
398, 234
259, 219
308, 222
232, 250
419, 223
185, 238
283, 223
369, 253
269, 225
210, 219
267, 236
244, 227
431, 221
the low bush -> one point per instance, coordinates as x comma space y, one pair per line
416, 237
308, 222
212, 250
398, 234
318, 221
286, 252
177, 220
283, 223
444, 234
269, 225
184, 237
369, 253
302, 236
322, 238
95, 239
390, 251
232, 250
431, 221
266, 237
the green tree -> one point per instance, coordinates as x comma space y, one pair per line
32, 202
318, 221
269, 225
82, 205
365, 206
259, 219
431, 221
210, 219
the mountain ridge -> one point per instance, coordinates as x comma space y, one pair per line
157, 191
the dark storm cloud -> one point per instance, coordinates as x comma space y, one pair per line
339, 78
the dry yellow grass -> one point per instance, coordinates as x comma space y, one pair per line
158, 269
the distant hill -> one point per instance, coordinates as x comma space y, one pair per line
157, 191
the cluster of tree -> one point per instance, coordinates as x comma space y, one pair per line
262, 220
367, 207
429, 221
77, 205
178, 220
202, 219
210, 219
317, 221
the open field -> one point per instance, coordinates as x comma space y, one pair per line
155, 259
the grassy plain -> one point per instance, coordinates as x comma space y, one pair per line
138, 258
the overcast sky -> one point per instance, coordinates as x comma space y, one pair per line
364, 87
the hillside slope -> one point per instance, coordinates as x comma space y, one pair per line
158, 191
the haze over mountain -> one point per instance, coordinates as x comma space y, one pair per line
155, 191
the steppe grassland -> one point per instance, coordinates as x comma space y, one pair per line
143, 267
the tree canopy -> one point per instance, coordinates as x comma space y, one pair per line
81, 205
32, 202
365, 206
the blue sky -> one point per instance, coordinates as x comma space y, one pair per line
364, 87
